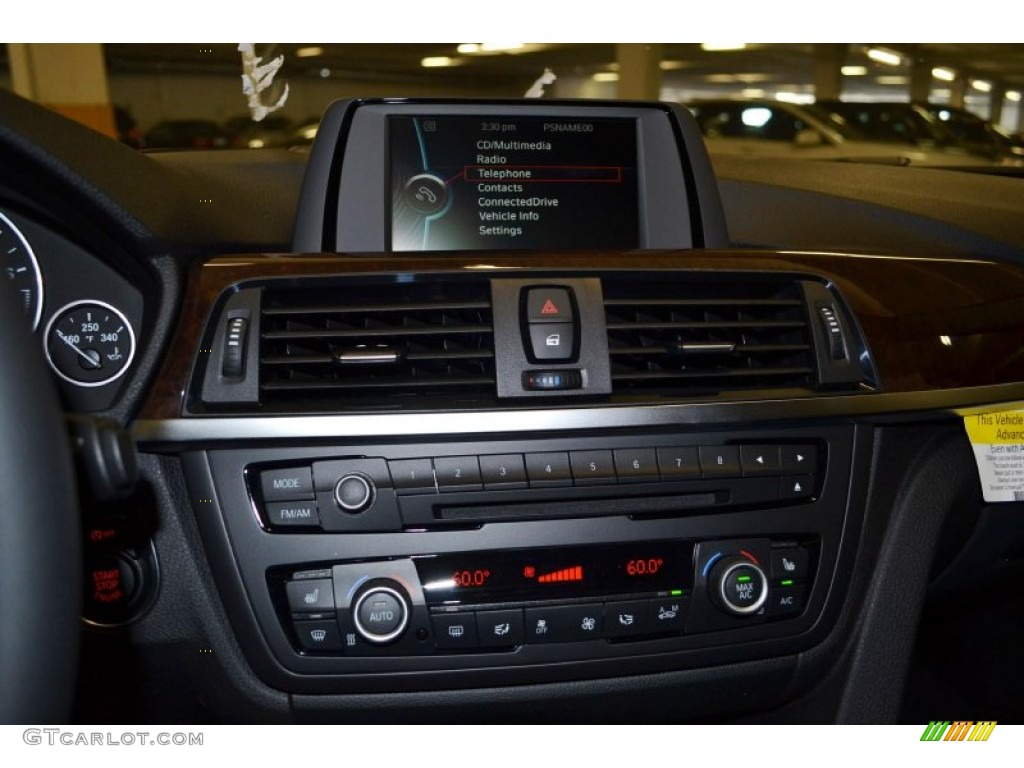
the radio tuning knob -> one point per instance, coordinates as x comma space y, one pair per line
738, 586
354, 493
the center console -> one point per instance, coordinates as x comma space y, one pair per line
476, 451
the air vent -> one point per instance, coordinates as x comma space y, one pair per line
702, 337
377, 346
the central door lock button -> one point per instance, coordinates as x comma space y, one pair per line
550, 324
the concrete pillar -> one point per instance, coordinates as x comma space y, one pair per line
958, 92
920, 81
828, 64
639, 70
68, 78
995, 103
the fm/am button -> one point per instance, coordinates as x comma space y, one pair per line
293, 513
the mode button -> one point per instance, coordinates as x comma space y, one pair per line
292, 484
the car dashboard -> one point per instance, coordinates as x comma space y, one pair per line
689, 477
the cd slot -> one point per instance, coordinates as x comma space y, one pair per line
646, 505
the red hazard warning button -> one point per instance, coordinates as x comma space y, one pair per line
549, 305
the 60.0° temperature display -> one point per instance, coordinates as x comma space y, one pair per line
644, 567
471, 578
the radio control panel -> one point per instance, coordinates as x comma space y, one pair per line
377, 566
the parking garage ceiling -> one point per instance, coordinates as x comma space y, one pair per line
768, 64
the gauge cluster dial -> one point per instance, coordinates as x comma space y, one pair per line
22, 269
89, 343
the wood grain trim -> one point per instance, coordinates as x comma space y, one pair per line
930, 323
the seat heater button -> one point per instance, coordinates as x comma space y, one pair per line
287, 484
310, 596
789, 563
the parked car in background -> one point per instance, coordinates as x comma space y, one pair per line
272, 131
782, 129
897, 122
976, 133
186, 134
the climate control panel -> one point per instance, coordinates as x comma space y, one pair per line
497, 601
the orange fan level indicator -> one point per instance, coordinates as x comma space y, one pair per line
565, 574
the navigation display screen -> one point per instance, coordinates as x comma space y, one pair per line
500, 183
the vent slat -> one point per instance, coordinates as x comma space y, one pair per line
434, 341
642, 326
357, 333
724, 373
358, 309
673, 339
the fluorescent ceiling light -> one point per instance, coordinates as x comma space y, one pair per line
723, 46
752, 93
981, 85
883, 56
311, 51
942, 73
500, 47
468, 48
1013, 95
892, 80
794, 98
854, 70
670, 65
439, 61
605, 77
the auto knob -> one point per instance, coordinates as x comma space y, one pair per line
355, 493
738, 586
381, 612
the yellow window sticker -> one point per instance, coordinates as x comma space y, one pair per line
998, 443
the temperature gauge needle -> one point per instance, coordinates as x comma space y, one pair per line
93, 362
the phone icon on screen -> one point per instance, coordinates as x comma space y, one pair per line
425, 195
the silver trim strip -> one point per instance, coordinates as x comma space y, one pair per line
882, 406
